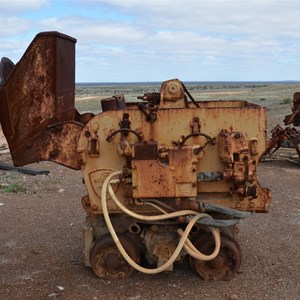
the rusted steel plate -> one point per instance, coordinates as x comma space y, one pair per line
57, 143
40, 90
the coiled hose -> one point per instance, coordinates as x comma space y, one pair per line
183, 243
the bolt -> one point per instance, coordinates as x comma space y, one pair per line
238, 205
252, 204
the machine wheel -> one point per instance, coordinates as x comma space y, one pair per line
106, 260
225, 265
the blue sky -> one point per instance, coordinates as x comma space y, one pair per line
135, 40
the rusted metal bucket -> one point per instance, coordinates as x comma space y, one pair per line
37, 102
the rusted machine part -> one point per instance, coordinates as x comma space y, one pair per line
124, 130
37, 93
291, 134
294, 118
106, 260
114, 103
189, 95
6, 67
280, 135
225, 265
152, 98
194, 134
277, 138
228, 212
166, 151
160, 242
57, 143
83, 118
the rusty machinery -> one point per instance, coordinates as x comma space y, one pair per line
287, 134
167, 177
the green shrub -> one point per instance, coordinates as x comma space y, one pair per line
13, 188
286, 100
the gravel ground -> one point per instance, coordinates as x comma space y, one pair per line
41, 245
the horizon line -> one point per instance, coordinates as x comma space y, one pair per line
192, 81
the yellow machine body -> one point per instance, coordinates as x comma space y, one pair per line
160, 173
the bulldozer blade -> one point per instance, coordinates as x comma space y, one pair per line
37, 101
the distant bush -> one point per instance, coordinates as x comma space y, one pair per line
262, 99
286, 100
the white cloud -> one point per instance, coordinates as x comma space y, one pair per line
93, 30
149, 40
256, 17
21, 5
13, 26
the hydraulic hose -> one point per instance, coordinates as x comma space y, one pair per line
155, 206
143, 217
184, 234
194, 252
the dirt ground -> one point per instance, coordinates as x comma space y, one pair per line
41, 245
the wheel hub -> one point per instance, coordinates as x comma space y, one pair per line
225, 265
106, 260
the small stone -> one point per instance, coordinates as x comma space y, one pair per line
52, 295
61, 190
61, 288
233, 297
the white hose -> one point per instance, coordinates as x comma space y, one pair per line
194, 252
143, 217
155, 206
184, 234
